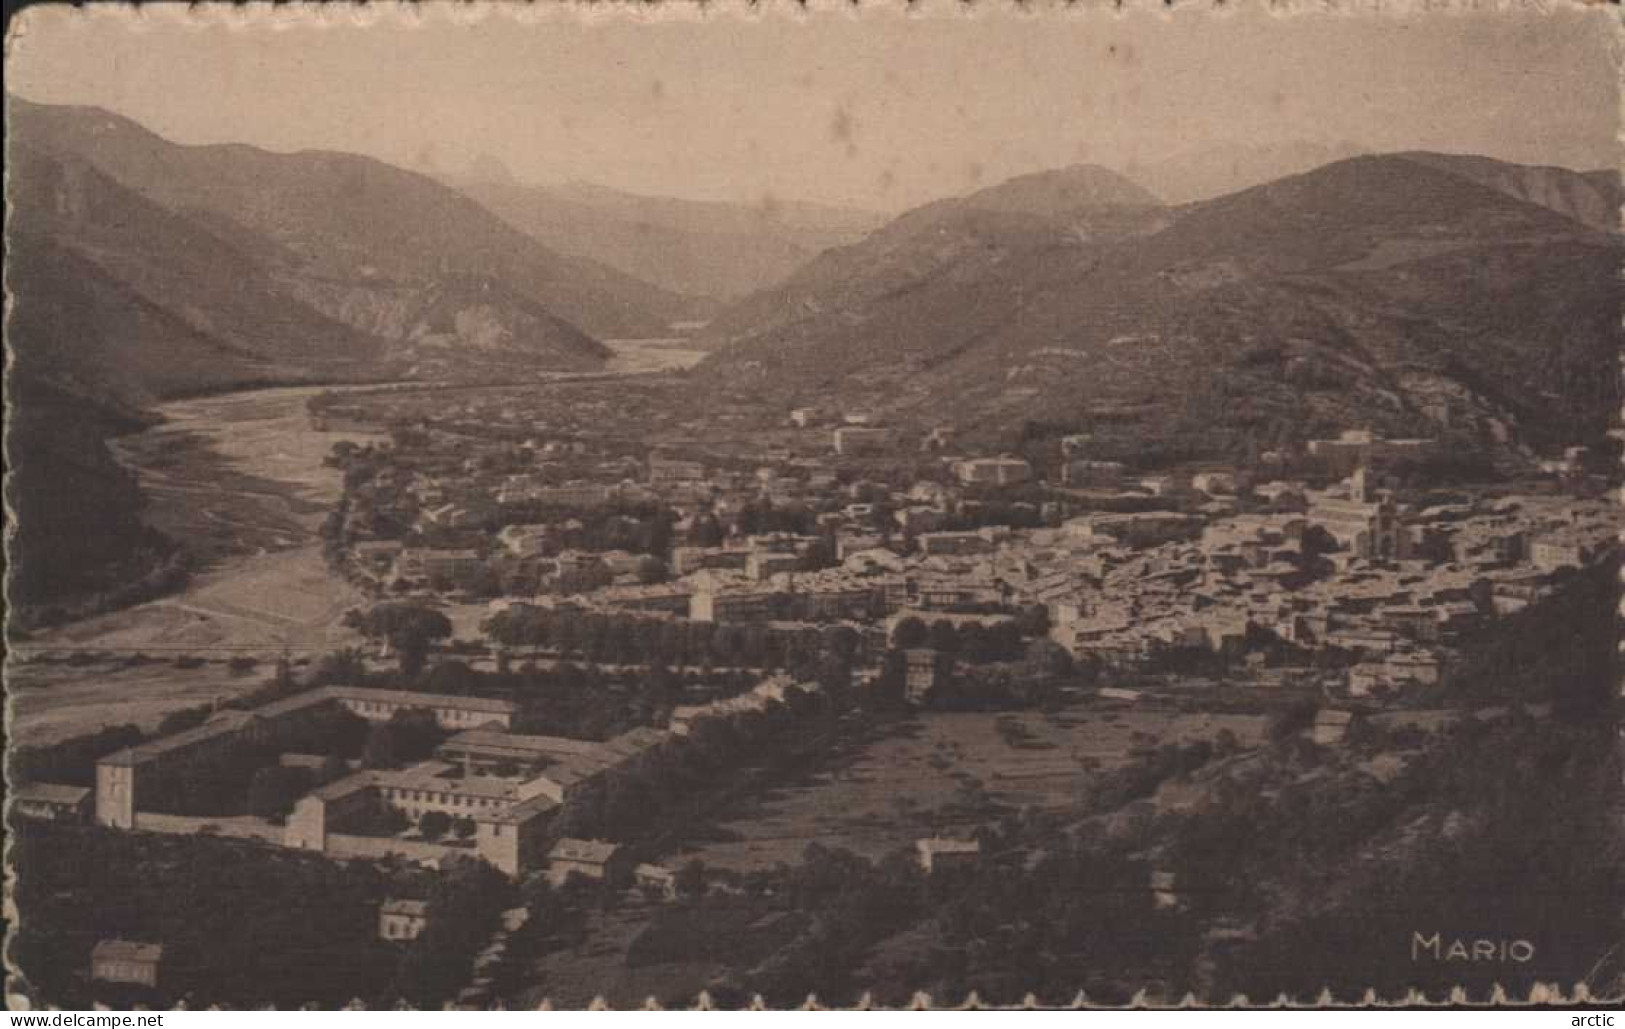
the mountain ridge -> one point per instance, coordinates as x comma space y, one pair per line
341, 214
1339, 296
141, 270
707, 250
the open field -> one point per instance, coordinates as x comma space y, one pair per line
943, 772
641, 356
258, 606
933, 772
263, 604
49, 703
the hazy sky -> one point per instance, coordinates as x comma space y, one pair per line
881, 109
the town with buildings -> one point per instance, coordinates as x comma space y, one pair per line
813, 508
576, 645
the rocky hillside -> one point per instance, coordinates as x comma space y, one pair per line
927, 285
1207, 172
1379, 290
139, 270
120, 297
350, 223
1591, 198
707, 250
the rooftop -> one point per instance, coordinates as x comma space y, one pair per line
397, 906
51, 793
594, 851
126, 950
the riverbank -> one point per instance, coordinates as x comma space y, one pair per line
239, 480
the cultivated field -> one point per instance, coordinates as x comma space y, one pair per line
943, 772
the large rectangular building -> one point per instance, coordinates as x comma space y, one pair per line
664, 471
861, 440
993, 471
130, 778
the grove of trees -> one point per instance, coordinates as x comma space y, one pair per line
410, 630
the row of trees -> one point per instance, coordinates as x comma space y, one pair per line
630, 639
665, 788
968, 641
576, 700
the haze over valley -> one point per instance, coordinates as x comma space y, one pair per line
712, 506
1412, 292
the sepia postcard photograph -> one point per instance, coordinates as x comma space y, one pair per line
869, 505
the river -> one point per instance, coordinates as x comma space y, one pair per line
239, 479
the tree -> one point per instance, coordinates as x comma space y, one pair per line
662, 687
334, 767
977, 644
909, 633
344, 667
180, 721
820, 554
273, 790
409, 629
690, 880
1292, 720
464, 828
943, 636
842, 640
1033, 620
890, 686
480, 581
1046, 658
416, 733
383, 747
452, 677
652, 570
341, 454
518, 626
434, 824
705, 531
464, 903
343, 732
834, 673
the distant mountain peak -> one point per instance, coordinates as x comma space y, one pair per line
1061, 190
1375, 289
1229, 167
299, 261
490, 168
699, 248
1589, 198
